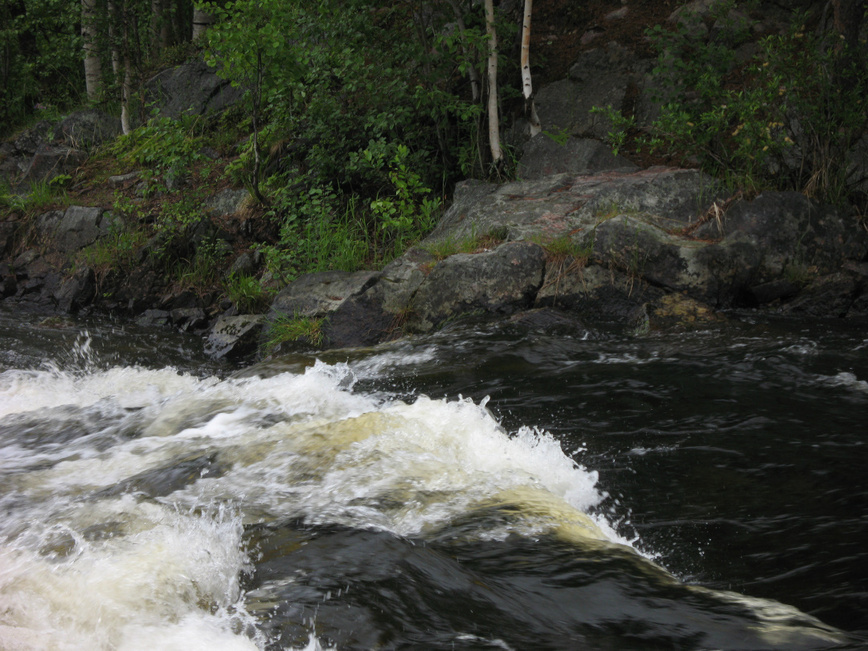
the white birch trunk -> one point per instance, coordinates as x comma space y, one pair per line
92, 65
493, 117
526, 82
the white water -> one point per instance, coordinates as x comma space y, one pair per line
85, 566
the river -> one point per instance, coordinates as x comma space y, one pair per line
485, 487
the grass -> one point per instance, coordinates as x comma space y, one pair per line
473, 243
294, 328
117, 250
246, 293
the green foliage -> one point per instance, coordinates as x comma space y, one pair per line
293, 329
206, 264
316, 234
406, 213
560, 136
246, 293
363, 111
785, 119
621, 125
120, 249
41, 196
40, 62
162, 145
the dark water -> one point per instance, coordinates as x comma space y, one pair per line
723, 472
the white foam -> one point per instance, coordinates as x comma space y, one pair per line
82, 568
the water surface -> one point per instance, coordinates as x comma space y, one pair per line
482, 488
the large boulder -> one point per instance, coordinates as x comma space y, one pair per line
77, 227
234, 337
50, 161
191, 89
544, 156
87, 128
502, 281
605, 76
380, 312
318, 294
573, 206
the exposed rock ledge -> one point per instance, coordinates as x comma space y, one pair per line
640, 249
649, 248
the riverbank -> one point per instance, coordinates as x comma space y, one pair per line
585, 236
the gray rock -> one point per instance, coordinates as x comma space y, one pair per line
318, 294
50, 161
227, 202
502, 281
573, 206
596, 294
245, 264
150, 318
87, 129
80, 226
542, 156
191, 89
189, 318
601, 77
831, 295
76, 292
124, 179
380, 312
235, 337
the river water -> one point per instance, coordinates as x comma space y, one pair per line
483, 488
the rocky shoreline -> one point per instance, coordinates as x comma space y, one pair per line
585, 237
641, 249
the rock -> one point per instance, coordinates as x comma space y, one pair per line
542, 156
380, 312
245, 264
86, 129
318, 294
501, 281
831, 295
8, 281
235, 337
150, 318
596, 294
16, 154
227, 202
49, 161
190, 89
8, 233
567, 205
601, 77
189, 318
550, 321
124, 180
676, 311
76, 292
78, 227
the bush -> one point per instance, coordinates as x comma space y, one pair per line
785, 119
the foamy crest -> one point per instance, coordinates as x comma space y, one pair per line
136, 567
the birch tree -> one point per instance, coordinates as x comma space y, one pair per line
493, 115
526, 82
92, 65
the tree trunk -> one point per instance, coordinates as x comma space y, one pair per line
472, 72
114, 44
92, 66
526, 83
493, 117
202, 20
